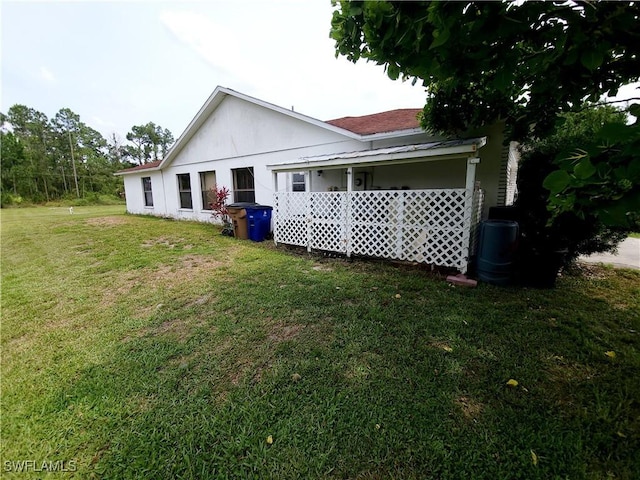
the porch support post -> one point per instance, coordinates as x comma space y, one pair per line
468, 210
309, 181
308, 218
347, 219
276, 213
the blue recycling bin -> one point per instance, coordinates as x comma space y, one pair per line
258, 221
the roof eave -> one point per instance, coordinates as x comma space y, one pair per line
373, 158
140, 170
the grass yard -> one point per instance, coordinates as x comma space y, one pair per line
136, 347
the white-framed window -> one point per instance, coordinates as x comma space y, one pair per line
243, 185
298, 182
184, 189
147, 192
207, 182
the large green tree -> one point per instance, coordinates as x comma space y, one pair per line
15, 172
150, 142
524, 63
31, 128
482, 61
47, 159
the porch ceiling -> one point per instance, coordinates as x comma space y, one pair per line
381, 156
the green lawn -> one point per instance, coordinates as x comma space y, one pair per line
136, 347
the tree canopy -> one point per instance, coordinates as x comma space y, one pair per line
46, 159
482, 61
150, 143
524, 64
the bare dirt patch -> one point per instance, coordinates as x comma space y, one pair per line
166, 242
469, 407
245, 368
176, 327
144, 281
188, 268
441, 345
281, 332
318, 267
203, 300
562, 370
107, 221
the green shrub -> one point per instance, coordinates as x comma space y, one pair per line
572, 232
9, 199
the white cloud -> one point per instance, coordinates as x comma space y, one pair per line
209, 40
101, 123
287, 58
47, 75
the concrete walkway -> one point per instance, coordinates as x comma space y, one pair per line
628, 255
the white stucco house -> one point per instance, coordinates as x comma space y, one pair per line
375, 185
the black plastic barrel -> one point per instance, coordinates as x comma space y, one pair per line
496, 251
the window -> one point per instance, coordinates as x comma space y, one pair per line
243, 189
146, 190
184, 187
207, 182
297, 182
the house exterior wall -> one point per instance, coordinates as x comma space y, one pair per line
239, 129
449, 173
489, 170
238, 134
135, 193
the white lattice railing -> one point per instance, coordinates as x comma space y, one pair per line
430, 226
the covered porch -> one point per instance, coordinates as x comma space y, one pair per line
350, 206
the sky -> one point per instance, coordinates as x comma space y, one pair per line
123, 63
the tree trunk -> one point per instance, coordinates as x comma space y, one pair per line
73, 161
46, 190
64, 179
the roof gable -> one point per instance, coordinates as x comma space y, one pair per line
355, 128
216, 98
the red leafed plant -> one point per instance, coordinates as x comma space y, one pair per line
219, 204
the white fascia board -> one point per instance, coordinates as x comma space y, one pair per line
133, 172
